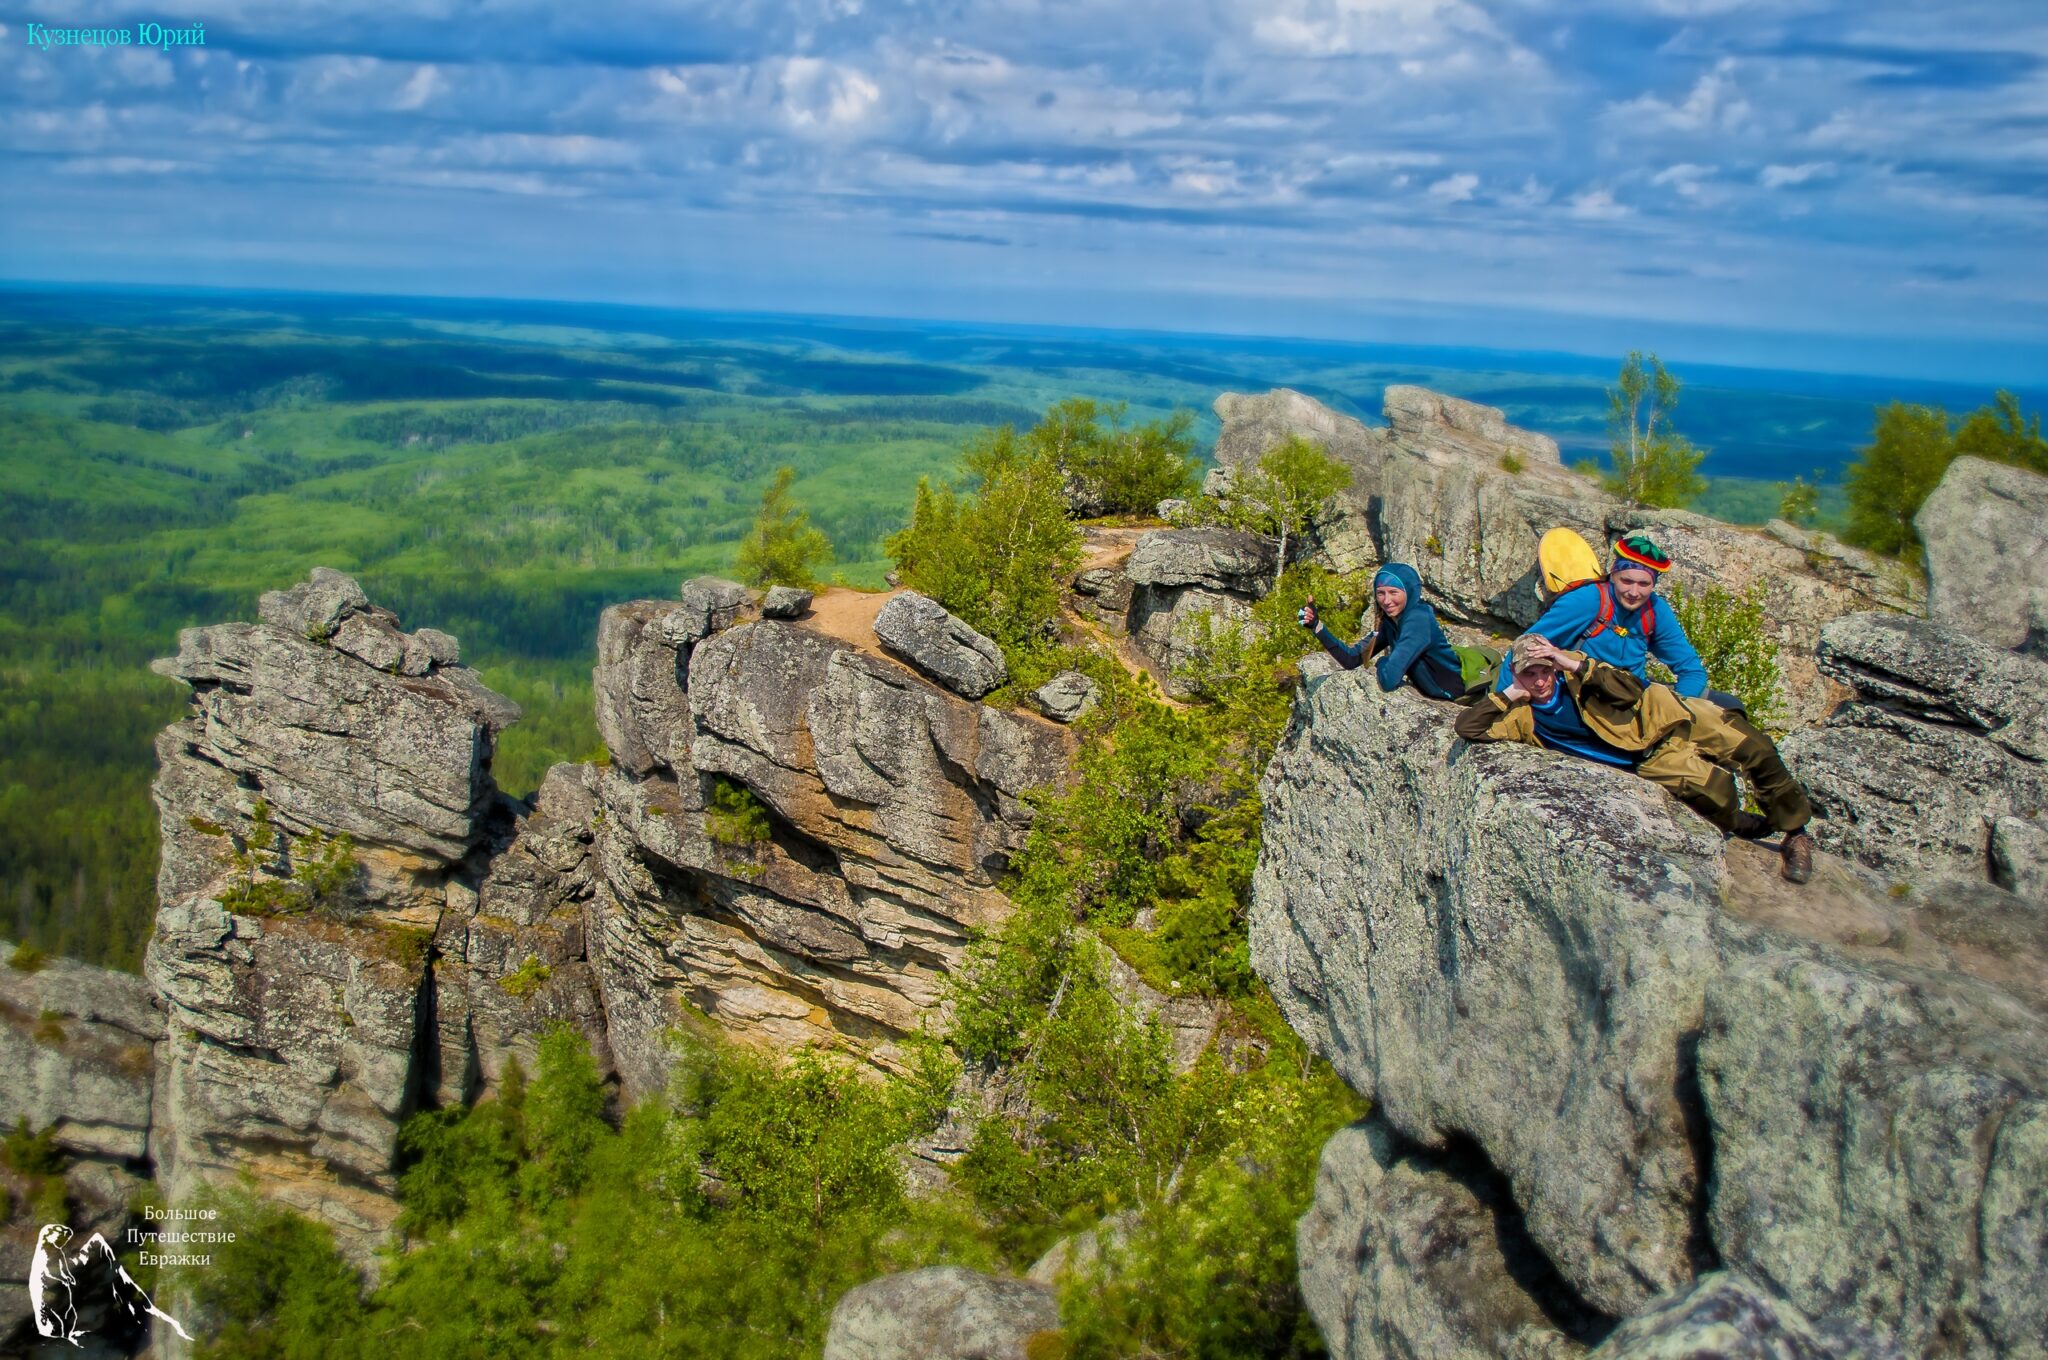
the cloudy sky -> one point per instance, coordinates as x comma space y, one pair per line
1846, 184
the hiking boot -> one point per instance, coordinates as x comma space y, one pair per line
1798, 855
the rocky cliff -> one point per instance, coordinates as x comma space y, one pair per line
1610, 1054
356, 924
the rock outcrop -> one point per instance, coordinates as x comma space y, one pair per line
1985, 529
1451, 488
304, 1023
1177, 574
1673, 1061
940, 645
941, 1313
78, 1044
1726, 1317
1938, 769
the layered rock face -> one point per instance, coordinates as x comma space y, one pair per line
1938, 769
892, 806
1671, 1061
304, 1023
795, 836
1452, 489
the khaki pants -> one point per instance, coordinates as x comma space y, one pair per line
1694, 765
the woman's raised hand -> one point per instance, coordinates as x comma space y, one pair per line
1306, 615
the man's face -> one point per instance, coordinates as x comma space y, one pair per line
1538, 682
1391, 600
1633, 585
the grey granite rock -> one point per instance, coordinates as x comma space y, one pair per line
329, 741
2019, 856
1450, 925
1947, 736
941, 645
896, 806
711, 603
77, 1044
315, 607
785, 602
1552, 966
1215, 559
1726, 1316
1399, 1257
1068, 696
643, 653
1985, 529
940, 1313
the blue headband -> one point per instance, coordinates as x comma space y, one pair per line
1386, 576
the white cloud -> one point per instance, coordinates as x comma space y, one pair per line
1780, 176
1687, 180
424, 85
1454, 188
822, 96
1596, 205
1715, 103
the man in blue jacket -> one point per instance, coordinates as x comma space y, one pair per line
1407, 640
1623, 622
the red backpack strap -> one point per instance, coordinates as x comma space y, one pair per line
1605, 616
1649, 618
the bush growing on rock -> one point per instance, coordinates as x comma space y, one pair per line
1730, 632
996, 558
1911, 446
782, 549
1122, 469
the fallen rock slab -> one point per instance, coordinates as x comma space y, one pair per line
941, 645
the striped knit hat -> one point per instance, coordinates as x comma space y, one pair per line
1640, 550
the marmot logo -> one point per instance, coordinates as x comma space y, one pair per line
61, 1285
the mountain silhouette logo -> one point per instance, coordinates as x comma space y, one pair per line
67, 1288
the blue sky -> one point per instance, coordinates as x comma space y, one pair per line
1859, 185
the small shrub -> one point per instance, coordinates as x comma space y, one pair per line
26, 958
736, 817
406, 946
529, 977
1433, 545
1511, 464
1729, 631
49, 1028
31, 1154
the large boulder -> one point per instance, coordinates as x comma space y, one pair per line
1400, 1255
1985, 529
941, 1313
78, 1044
1178, 575
1939, 768
1673, 1060
941, 645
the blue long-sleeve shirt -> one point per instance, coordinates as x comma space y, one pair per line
1419, 652
1621, 644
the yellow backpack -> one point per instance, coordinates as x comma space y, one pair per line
1566, 560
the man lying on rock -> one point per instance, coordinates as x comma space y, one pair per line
1619, 618
1568, 701
1407, 639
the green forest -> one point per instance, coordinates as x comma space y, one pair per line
504, 471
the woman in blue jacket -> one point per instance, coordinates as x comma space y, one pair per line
1406, 638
